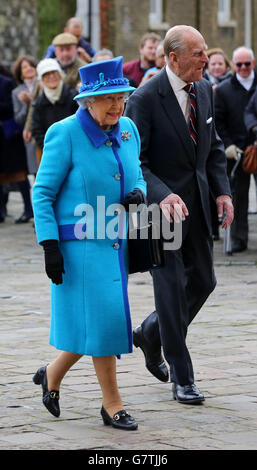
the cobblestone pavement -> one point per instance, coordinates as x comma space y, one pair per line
222, 341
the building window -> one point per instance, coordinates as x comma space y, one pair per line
156, 15
224, 13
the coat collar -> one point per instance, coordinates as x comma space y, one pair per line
97, 136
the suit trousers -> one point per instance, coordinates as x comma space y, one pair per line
239, 227
181, 287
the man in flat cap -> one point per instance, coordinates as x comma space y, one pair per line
85, 50
67, 57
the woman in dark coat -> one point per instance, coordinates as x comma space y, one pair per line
24, 71
13, 164
55, 103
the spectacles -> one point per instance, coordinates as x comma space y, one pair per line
239, 64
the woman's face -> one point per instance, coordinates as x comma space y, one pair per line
106, 110
28, 72
51, 79
217, 65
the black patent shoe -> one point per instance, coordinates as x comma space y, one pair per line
187, 394
50, 399
153, 359
120, 420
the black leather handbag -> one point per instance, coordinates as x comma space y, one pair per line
145, 248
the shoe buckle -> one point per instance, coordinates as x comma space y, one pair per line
53, 394
117, 417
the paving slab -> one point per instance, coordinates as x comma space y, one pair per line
222, 340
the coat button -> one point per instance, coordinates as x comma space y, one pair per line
116, 246
117, 176
108, 143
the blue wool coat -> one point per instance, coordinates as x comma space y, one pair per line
84, 174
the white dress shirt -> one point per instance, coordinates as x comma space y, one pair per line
182, 96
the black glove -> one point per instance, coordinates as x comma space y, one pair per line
135, 197
53, 261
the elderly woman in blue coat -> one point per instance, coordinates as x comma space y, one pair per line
90, 171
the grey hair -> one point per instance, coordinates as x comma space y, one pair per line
82, 102
175, 40
242, 48
102, 52
159, 46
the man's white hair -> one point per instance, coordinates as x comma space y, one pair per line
243, 49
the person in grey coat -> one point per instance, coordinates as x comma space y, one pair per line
24, 72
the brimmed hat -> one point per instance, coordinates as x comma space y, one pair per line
65, 39
104, 77
48, 65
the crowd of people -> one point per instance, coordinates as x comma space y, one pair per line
34, 96
183, 135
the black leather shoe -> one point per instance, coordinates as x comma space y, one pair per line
50, 399
24, 218
187, 394
120, 420
239, 246
153, 359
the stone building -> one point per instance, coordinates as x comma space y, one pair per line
18, 29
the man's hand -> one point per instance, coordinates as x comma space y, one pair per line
84, 55
225, 207
169, 209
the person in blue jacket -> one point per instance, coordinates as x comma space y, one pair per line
89, 172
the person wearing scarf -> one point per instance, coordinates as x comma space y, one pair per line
55, 103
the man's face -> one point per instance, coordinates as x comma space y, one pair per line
160, 58
190, 62
66, 54
243, 63
76, 30
148, 51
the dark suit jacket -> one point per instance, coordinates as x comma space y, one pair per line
169, 160
231, 100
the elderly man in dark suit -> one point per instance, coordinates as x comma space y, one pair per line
182, 160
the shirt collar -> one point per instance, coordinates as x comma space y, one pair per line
246, 82
176, 82
97, 136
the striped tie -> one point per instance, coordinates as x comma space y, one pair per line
192, 121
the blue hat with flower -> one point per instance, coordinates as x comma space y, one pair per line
100, 78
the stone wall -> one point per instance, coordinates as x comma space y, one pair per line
18, 29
